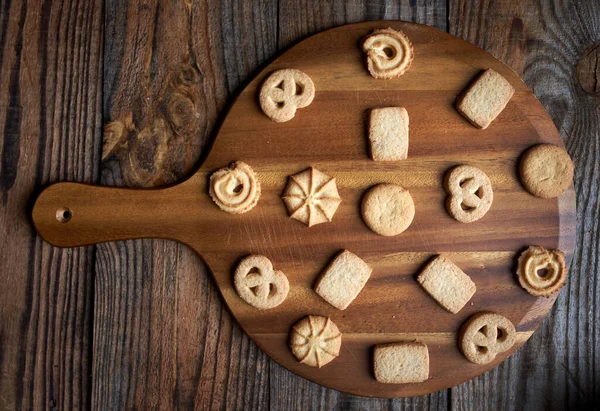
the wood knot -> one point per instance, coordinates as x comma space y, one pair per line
588, 70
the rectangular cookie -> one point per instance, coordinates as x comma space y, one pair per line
447, 284
485, 98
401, 362
388, 133
343, 279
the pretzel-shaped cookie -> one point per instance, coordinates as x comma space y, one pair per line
235, 189
283, 92
470, 193
485, 335
389, 53
541, 272
257, 283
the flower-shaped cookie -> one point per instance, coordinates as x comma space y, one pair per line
315, 340
311, 197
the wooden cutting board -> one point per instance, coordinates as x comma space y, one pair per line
330, 135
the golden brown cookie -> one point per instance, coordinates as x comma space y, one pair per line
235, 189
485, 335
485, 98
283, 92
315, 340
446, 283
470, 193
257, 283
388, 209
546, 170
388, 133
401, 362
389, 53
311, 197
343, 279
541, 272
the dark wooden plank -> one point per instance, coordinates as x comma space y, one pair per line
162, 336
298, 20
50, 77
544, 42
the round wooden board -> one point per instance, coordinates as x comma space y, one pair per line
330, 135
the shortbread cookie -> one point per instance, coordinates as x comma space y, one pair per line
401, 362
542, 272
311, 197
485, 98
470, 193
257, 283
546, 170
388, 133
283, 92
343, 279
315, 340
485, 335
389, 53
447, 284
388, 209
235, 189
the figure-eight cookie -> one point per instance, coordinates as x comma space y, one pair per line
485, 335
546, 170
235, 189
470, 193
389, 53
283, 92
257, 283
541, 272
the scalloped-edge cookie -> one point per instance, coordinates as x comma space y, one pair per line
315, 340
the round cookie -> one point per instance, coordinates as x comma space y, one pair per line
388, 209
546, 170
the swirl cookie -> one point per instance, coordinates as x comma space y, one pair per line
257, 283
541, 272
311, 197
485, 335
235, 189
388, 209
546, 170
389, 53
283, 92
470, 193
315, 340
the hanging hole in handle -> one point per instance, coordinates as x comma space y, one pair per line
63, 215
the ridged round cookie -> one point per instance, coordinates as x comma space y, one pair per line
389, 53
235, 189
546, 170
315, 340
541, 272
388, 209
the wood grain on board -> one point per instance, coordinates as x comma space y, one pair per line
216, 365
440, 138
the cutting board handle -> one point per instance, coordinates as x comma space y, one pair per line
73, 214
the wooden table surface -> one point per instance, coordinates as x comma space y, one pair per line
131, 93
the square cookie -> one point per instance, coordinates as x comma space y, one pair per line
343, 279
447, 284
485, 98
401, 362
388, 133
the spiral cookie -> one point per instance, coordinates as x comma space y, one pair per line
283, 92
315, 340
541, 272
389, 53
235, 189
